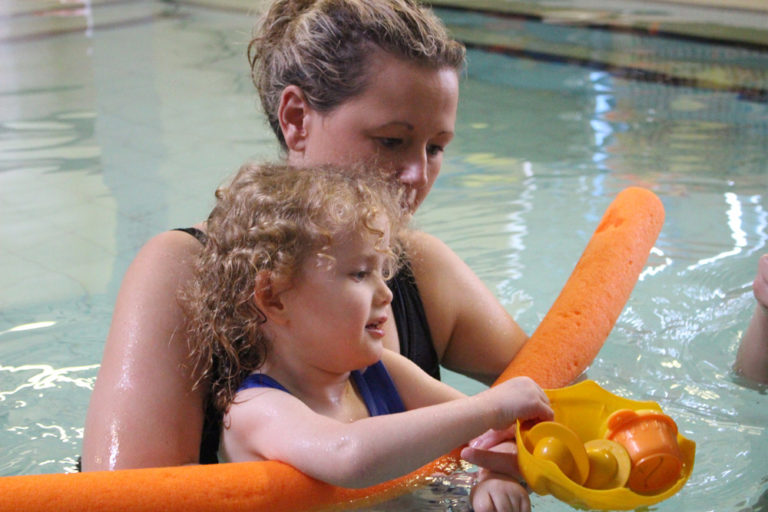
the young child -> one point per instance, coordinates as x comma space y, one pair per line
287, 319
752, 357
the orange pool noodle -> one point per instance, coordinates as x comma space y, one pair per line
566, 342
576, 326
238, 487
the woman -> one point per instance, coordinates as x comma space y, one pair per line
340, 81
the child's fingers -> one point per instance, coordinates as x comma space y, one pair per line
546, 413
498, 493
530, 400
482, 502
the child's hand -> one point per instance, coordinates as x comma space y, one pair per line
519, 399
499, 493
760, 285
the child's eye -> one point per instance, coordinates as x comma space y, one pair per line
359, 275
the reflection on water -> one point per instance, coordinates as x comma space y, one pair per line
96, 156
447, 493
41, 439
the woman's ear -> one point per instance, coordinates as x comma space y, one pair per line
267, 298
292, 115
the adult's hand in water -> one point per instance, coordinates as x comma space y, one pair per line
752, 357
760, 285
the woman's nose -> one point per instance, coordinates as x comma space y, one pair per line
414, 171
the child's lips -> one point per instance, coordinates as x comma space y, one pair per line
376, 327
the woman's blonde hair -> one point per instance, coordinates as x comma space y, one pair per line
273, 218
324, 47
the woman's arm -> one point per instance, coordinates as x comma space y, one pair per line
270, 424
752, 357
473, 334
142, 411
416, 388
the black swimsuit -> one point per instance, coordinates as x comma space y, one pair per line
412, 331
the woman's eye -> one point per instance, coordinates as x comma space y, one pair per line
434, 149
390, 142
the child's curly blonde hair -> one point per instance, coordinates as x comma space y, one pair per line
273, 218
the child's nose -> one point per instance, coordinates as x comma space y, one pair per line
383, 293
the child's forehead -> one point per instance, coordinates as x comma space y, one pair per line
365, 233
355, 244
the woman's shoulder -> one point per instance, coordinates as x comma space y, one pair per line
424, 249
433, 264
165, 260
176, 246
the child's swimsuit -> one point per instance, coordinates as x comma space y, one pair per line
374, 384
412, 331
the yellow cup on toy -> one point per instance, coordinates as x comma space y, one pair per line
650, 438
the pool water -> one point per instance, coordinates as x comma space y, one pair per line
118, 119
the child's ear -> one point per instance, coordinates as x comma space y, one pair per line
267, 296
292, 114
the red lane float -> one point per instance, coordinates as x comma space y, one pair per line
566, 342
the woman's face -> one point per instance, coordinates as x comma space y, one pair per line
404, 120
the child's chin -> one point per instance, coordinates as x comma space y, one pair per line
375, 354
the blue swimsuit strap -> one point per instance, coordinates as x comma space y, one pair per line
374, 384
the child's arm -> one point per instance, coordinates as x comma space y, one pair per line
270, 424
752, 357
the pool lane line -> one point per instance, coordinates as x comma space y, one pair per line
647, 31
652, 30
215, 6
63, 8
754, 94
48, 34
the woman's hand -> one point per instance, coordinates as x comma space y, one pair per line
495, 451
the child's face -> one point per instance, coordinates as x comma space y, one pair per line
337, 308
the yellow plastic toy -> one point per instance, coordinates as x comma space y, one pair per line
604, 452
